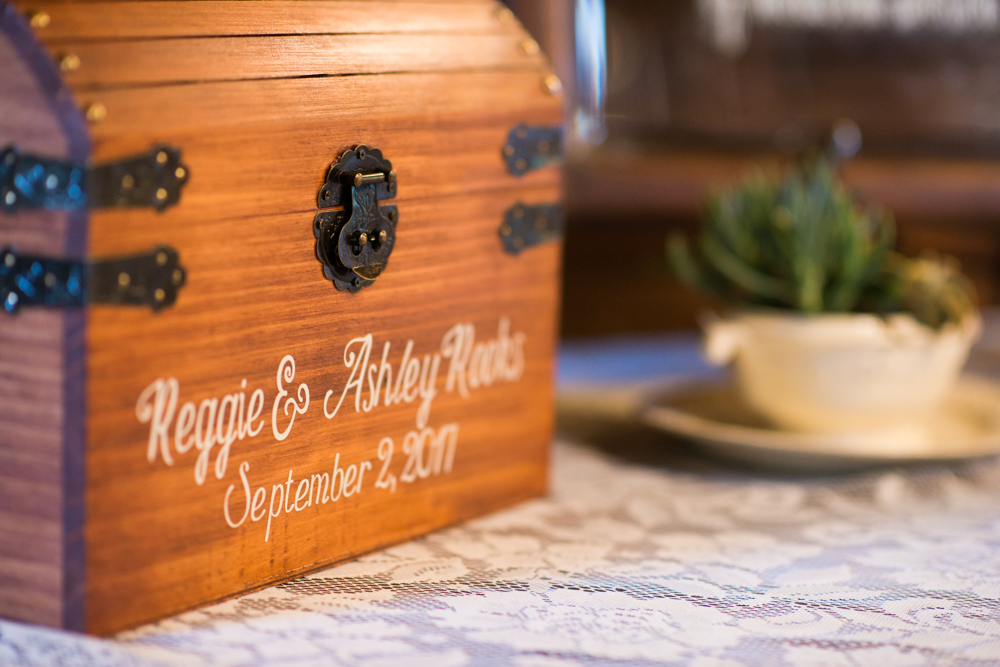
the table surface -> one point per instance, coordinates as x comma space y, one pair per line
644, 552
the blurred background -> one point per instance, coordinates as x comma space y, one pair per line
697, 92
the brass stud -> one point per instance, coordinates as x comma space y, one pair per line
159, 294
96, 112
509, 150
180, 172
529, 47
518, 242
382, 236
39, 19
161, 258
162, 157
552, 84
519, 212
50, 280
178, 277
124, 279
69, 62
543, 146
522, 133
504, 15
363, 239
161, 194
521, 164
505, 229
128, 182
358, 180
541, 223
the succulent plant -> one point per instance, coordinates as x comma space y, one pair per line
803, 243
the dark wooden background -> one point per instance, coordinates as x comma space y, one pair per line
684, 118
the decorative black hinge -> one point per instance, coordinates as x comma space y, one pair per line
354, 244
525, 226
151, 279
530, 148
152, 179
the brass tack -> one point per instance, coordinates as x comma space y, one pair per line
96, 112
69, 62
521, 164
180, 172
178, 277
159, 294
39, 19
552, 84
161, 258
161, 194
124, 279
530, 47
128, 182
162, 157
504, 15
50, 280
508, 150
505, 229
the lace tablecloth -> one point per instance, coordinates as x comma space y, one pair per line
648, 556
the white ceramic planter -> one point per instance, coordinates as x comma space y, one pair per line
842, 373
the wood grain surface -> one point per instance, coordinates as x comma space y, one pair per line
157, 61
75, 21
442, 132
247, 304
157, 534
41, 382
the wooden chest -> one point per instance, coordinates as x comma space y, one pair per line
281, 287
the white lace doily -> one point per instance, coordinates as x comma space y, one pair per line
628, 563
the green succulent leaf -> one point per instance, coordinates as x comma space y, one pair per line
803, 243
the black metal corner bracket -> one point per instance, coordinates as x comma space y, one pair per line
153, 179
150, 279
354, 244
529, 148
525, 226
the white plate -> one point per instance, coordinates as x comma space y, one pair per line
715, 416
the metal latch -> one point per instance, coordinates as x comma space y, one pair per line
151, 179
354, 244
150, 279
530, 148
525, 226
